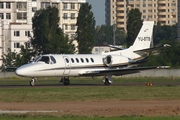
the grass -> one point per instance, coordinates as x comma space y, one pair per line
72, 117
88, 93
60, 94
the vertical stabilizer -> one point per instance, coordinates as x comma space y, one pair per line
145, 36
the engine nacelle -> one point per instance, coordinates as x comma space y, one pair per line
115, 60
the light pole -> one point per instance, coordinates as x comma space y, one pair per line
114, 33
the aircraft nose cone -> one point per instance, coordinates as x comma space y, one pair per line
19, 72
22, 71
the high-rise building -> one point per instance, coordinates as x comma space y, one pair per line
16, 20
162, 11
110, 9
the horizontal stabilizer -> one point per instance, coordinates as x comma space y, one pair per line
117, 47
153, 48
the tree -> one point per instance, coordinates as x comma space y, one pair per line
104, 35
165, 32
134, 24
25, 55
12, 59
172, 54
9, 59
47, 36
85, 29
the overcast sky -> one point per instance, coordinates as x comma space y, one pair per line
98, 8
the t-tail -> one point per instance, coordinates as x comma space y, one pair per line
143, 41
145, 36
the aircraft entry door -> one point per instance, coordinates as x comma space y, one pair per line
67, 65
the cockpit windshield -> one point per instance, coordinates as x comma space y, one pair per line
46, 59
37, 58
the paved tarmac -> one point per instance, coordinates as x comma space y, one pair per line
83, 85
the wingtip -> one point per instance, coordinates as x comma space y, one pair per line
167, 45
163, 67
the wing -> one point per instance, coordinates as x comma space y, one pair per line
117, 72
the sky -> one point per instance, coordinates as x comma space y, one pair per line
98, 8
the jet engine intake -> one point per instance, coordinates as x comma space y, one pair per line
115, 60
108, 60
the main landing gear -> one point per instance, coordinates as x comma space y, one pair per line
32, 82
65, 80
107, 80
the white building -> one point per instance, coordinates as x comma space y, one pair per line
16, 20
100, 49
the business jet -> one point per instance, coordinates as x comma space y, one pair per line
120, 62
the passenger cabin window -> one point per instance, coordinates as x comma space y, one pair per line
82, 60
77, 60
87, 60
92, 60
72, 60
67, 60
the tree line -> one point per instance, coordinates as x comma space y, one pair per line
49, 38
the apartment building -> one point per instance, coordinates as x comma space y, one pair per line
163, 11
16, 20
110, 12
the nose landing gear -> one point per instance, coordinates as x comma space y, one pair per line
32, 82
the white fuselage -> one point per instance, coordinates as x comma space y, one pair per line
72, 65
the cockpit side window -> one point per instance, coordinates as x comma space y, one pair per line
53, 59
44, 59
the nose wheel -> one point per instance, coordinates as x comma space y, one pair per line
32, 82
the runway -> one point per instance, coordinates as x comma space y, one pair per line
90, 85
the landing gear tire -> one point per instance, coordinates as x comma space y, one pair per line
106, 82
32, 82
65, 80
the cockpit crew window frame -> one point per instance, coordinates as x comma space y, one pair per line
45, 59
53, 59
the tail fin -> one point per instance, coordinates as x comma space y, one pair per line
144, 38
